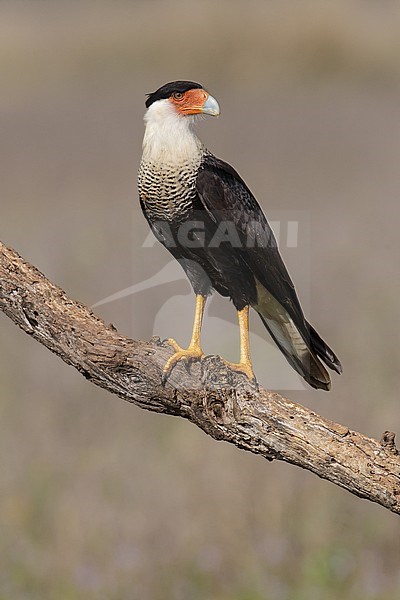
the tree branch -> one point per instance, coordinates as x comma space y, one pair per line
212, 397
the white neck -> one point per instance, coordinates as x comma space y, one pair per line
169, 137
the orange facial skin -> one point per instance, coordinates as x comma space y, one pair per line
190, 103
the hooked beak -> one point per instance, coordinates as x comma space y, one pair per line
210, 107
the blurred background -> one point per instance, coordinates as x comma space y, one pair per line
99, 499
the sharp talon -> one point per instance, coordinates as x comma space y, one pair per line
191, 353
194, 350
244, 369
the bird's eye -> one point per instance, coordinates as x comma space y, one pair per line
177, 96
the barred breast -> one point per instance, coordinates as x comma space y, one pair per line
167, 190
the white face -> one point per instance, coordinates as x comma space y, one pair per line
169, 135
160, 111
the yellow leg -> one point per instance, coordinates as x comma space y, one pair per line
244, 365
194, 349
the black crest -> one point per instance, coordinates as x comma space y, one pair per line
168, 89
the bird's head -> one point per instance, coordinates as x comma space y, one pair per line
171, 112
186, 98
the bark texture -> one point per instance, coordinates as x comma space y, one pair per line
220, 402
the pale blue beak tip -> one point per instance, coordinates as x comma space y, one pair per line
211, 107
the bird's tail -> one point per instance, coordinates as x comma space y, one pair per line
303, 348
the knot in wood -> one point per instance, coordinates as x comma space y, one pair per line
216, 408
29, 314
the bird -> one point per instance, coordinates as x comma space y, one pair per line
202, 211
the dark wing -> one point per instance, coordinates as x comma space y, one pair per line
226, 197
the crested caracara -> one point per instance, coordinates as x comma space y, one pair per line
203, 212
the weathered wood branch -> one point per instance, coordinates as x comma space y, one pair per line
212, 397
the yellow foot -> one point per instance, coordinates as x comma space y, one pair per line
242, 367
193, 352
